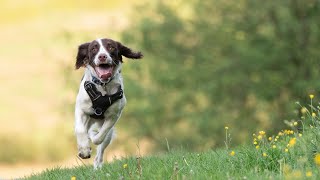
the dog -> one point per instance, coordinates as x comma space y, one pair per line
101, 98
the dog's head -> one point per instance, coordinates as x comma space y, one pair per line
103, 57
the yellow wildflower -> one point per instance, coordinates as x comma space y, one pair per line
309, 173
292, 142
255, 142
311, 96
253, 134
286, 150
125, 166
73, 178
288, 132
314, 114
259, 137
257, 147
264, 154
295, 123
274, 146
304, 110
232, 153
300, 134
275, 139
317, 159
262, 133
270, 138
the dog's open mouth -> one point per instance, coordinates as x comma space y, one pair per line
104, 71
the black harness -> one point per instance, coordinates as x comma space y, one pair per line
100, 103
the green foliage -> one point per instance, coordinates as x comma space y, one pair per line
214, 63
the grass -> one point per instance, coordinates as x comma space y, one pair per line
246, 163
290, 154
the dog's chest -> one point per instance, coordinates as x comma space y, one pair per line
108, 90
86, 103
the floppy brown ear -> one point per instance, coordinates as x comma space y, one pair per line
127, 52
82, 55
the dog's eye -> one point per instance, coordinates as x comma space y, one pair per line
94, 50
110, 48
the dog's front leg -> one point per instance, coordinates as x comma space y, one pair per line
81, 130
106, 127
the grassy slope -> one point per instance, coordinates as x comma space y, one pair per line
286, 155
209, 165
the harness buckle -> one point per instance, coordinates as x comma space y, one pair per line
98, 111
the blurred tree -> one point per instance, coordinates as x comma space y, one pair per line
214, 63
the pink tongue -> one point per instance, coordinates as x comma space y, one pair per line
104, 73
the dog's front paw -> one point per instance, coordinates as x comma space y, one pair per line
84, 152
97, 140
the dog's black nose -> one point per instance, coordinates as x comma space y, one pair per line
84, 157
102, 57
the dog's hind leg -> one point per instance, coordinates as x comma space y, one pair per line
98, 160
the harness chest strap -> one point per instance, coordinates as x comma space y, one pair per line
101, 103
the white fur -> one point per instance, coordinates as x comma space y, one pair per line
99, 131
102, 50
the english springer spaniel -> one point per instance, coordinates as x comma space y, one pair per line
100, 99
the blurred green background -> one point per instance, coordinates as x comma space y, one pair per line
207, 64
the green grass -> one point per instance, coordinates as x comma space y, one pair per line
178, 165
246, 163
290, 154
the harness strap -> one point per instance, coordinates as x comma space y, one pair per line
97, 81
101, 103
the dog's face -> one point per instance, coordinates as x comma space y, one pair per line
103, 57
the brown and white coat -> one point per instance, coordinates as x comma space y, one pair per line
102, 59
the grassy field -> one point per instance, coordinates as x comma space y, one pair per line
246, 163
293, 153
